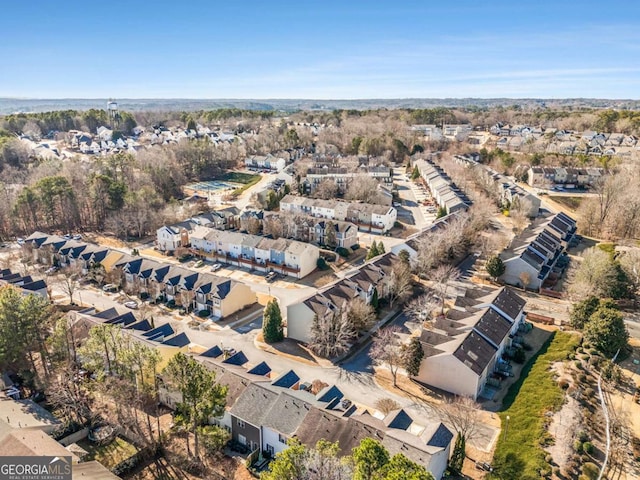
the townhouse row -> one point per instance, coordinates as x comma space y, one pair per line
539, 253
443, 189
306, 228
511, 194
343, 176
367, 217
364, 282
463, 350
566, 176
288, 257
193, 290
264, 408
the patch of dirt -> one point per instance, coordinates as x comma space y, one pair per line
564, 423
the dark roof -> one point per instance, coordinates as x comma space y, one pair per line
159, 333
319, 425
213, 352
398, 419
33, 286
433, 338
261, 369
441, 437
180, 340
286, 380
493, 326
238, 359
142, 326
475, 352
329, 393
510, 303
123, 320
107, 314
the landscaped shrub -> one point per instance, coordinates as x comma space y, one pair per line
587, 447
582, 378
343, 252
578, 364
589, 393
321, 263
563, 384
519, 356
577, 446
203, 313
582, 436
590, 471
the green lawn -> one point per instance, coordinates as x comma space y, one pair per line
240, 177
526, 402
108, 455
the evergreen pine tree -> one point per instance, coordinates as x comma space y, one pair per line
381, 249
272, 330
413, 356
373, 251
457, 458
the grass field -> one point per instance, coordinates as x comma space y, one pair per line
572, 203
108, 455
519, 449
240, 177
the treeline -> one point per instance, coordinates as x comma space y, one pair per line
65, 120
123, 194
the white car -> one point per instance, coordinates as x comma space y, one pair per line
110, 287
131, 304
216, 267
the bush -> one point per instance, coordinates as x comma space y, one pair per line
590, 470
589, 393
582, 378
587, 447
563, 384
321, 263
577, 446
519, 356
578, 364
582, 436
343, 252
203, 313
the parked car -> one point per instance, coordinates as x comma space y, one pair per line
216, 267
110, 287
397, 204
271, 276
131, 304
51, 270
199, 264
20, 240
77, 237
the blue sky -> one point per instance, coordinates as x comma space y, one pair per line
324, 50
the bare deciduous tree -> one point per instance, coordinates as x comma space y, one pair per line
442, 278
67, 278
397, 285
422, 308
327, 189
462, 413
360, 314
386, 405
331, 335
386, 351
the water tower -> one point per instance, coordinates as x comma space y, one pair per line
112, 109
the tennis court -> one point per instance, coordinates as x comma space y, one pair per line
210, 186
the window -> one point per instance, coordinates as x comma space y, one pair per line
270, 450
282, 439
241, 424
242, 439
